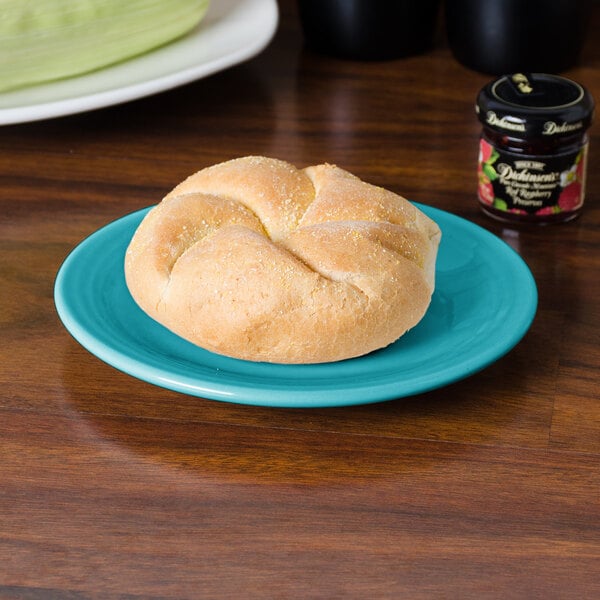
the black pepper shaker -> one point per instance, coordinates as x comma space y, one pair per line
508, 36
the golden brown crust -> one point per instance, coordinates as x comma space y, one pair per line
258, 260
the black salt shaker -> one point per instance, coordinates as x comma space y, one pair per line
369, 29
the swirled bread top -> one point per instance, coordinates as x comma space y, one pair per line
256, 259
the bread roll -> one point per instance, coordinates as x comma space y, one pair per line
258, 260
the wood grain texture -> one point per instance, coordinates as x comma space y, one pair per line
111, 488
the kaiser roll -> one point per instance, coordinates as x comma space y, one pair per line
258, 260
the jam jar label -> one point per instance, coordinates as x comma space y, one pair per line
531, 185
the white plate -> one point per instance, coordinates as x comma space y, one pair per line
232, 31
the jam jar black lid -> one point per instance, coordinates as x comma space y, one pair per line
535, 104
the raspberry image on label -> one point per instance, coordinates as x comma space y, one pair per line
486, 172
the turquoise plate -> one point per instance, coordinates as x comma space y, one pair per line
484, 303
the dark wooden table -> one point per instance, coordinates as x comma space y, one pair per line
113, 488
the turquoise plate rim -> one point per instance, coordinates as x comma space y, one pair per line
485, 302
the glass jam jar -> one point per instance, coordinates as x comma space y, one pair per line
533, 148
